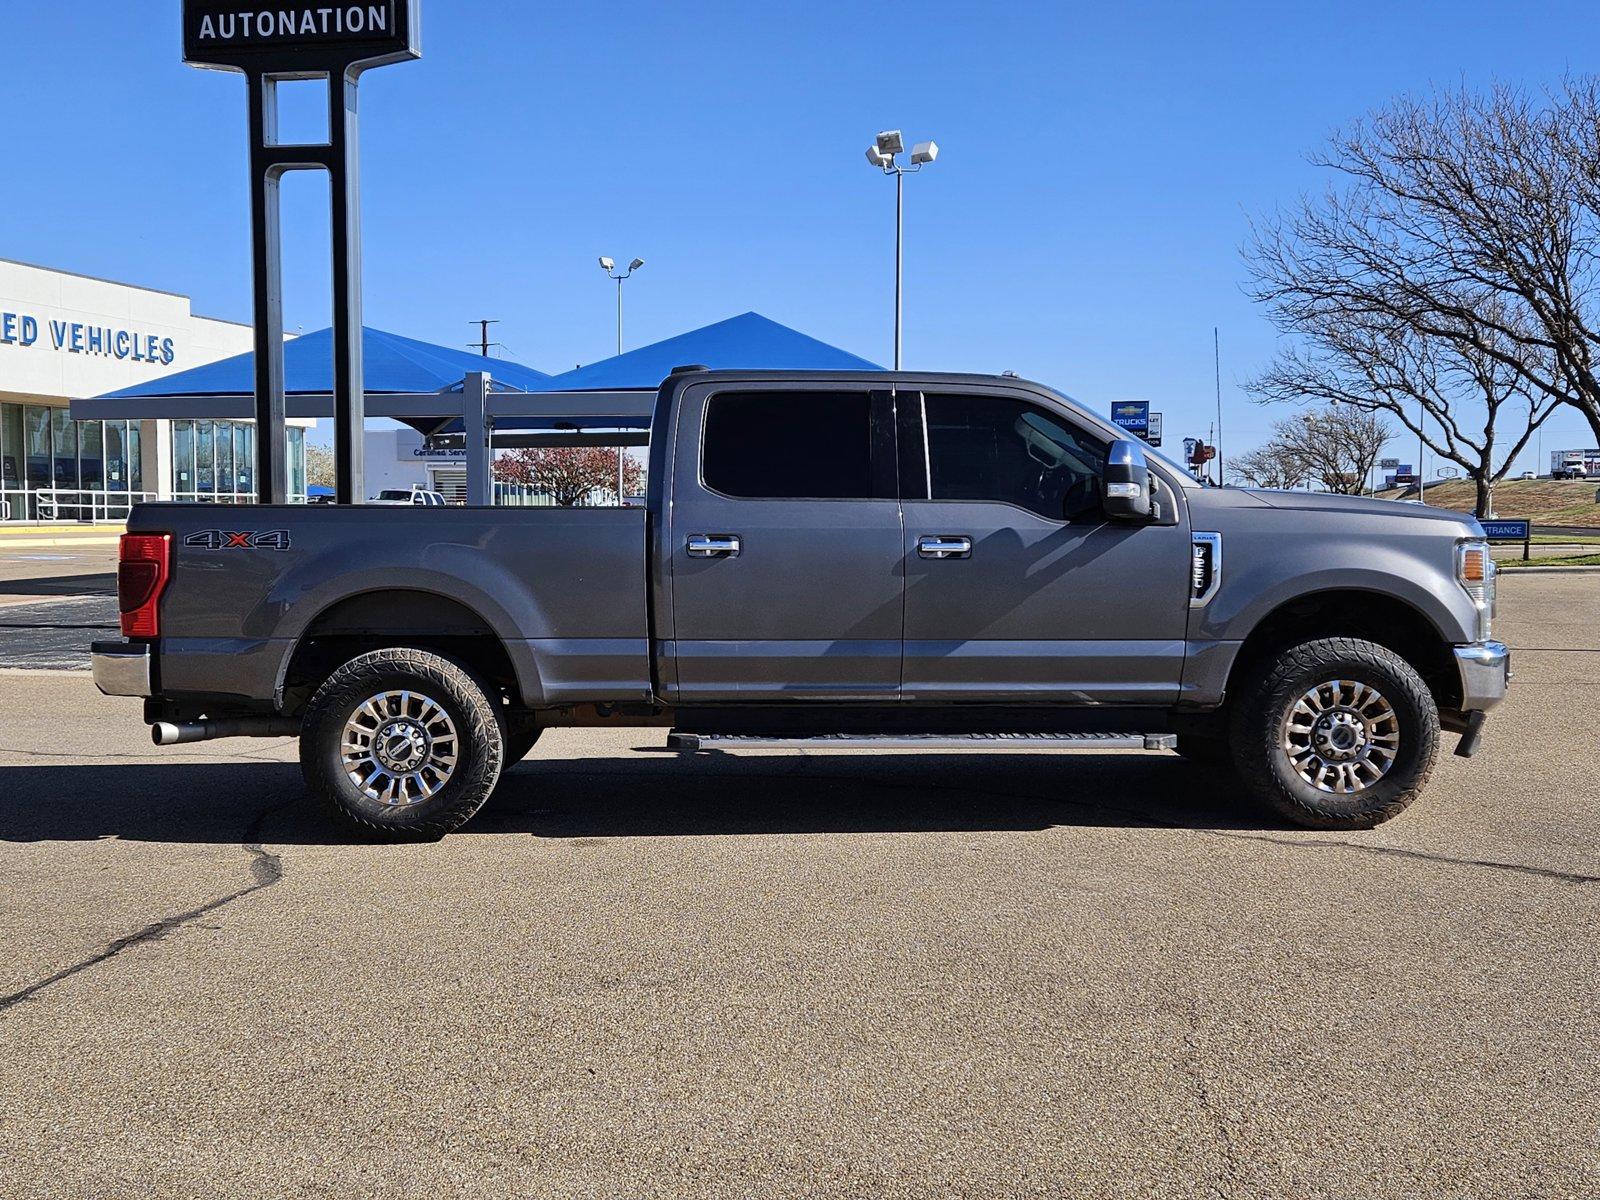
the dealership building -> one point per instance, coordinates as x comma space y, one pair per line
65, 336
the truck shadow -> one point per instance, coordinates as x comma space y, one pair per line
639, 796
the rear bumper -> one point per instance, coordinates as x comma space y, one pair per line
121, 668
1485, 671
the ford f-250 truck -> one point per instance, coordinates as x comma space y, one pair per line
832, 560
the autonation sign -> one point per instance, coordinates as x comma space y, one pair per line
74, 337
259, 34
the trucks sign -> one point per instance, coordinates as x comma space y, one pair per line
1132, 416
238, 35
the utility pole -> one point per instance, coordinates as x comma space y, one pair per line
1216, 363
1422, 451
484, 343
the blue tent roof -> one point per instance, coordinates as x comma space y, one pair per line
390, 363
746, 342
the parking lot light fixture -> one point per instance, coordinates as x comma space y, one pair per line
883, 154
609, 266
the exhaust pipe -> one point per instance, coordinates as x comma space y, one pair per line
176, 733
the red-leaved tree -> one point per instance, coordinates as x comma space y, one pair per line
570, 473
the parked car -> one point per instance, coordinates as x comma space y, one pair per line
1528, 475
878, 560
417, 495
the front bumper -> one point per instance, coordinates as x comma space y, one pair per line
121, 668
1485, 671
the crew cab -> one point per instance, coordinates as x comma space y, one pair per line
854, 559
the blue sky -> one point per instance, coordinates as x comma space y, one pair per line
1082, 225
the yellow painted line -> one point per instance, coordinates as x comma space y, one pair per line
55, 543
69, 530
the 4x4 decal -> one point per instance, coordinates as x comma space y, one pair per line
222, 539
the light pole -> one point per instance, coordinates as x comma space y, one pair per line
609, 266
883, 155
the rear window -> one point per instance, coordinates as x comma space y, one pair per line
789, 445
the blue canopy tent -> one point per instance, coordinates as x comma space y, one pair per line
746, 342
749, 341
390, 364
437, 390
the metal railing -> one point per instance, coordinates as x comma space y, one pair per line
100, 506
81, 505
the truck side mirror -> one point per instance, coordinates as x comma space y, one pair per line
1126, 490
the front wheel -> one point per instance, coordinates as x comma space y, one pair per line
403, 743
1337, 733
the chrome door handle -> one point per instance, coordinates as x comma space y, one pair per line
714, 545
945, 547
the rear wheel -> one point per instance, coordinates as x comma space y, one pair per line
403, 743
1336, 734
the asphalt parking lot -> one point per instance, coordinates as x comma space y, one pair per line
782, 974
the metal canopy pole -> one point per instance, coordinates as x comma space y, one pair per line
344, 186
476, 431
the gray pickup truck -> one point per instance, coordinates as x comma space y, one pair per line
832, 560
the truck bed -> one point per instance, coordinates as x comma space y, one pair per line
564, 588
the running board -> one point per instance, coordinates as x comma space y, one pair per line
691, 742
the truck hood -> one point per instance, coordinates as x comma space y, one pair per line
1355, 506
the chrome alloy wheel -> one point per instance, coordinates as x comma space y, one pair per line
1341, 736
399, 748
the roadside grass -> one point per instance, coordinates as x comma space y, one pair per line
1554, 560
1542, 501
1566, 539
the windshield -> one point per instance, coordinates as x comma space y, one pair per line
393, 494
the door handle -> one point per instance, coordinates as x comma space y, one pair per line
945, 546
714, 545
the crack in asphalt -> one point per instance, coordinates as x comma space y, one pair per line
266, 869
1189, 1063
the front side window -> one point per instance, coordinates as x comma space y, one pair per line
789, 445
999, 449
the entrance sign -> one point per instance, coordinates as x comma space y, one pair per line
1505, 531
1510, 531
334, 41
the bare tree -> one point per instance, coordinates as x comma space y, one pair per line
1482, 411
1458, 257
1267, 466
1337, 449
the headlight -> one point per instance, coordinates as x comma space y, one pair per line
1476, 570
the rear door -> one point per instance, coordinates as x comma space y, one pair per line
1017, 586
786, 546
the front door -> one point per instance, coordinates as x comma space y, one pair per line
786, 547
1017, 586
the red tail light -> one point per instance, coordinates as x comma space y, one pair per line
143, 566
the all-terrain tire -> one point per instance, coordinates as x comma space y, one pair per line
1261, 736
433, 713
